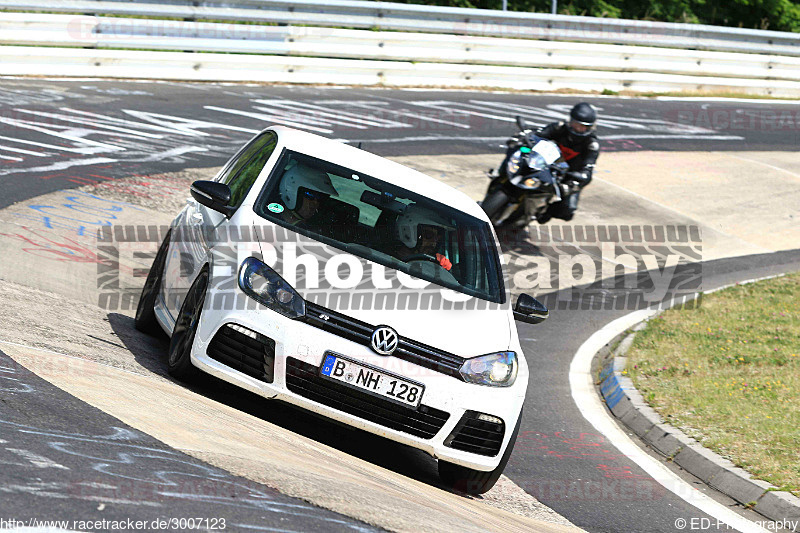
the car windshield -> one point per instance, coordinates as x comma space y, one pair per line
383, 223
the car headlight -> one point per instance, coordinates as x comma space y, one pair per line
495, 369
265, 286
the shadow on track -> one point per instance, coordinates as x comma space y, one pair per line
151, 353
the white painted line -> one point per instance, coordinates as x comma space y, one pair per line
39, 461
343, 118
723, 100
442, 104
547, 115
52, 146
61, 165
175, 152
95, 123
310, 116
267, 118
184, 126
388, 101
21, 151
673, 136
593, 410
425, 139
766, 165
415, 116
42, 127
302, 117
370, 120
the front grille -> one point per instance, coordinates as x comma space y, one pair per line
361, 332
304, 379
474, 435
244, 350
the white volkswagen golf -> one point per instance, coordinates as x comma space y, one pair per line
327, 277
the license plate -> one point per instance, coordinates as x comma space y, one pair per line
372, 380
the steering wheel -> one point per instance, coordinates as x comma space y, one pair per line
422, 257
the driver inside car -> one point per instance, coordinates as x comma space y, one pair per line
303, 192
420, 238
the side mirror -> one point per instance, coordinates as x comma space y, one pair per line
530, 310
213, 195
521, 123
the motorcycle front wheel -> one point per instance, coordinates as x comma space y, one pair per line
494, 203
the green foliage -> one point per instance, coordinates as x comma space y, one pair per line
780, 15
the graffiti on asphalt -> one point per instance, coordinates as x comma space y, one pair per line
120, 465
57, 248
65, 136
47, 141
81, 213
562, 445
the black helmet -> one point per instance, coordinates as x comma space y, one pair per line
582, 119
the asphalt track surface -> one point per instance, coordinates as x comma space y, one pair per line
89, 466
562, 461
62, 134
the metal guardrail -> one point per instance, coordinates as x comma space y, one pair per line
432, 19
41, 61
123, 47
105, 32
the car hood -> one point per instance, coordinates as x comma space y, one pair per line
462, 333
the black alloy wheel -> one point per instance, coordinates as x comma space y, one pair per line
145, 315
179, 364
467, 480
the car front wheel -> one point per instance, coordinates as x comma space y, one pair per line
471, 481
180, 364
145, 315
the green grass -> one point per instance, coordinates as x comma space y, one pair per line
728, 374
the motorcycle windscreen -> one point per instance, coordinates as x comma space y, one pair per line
548, 150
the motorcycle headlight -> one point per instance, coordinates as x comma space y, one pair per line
536, 162
495, 369
512, 167
265, 286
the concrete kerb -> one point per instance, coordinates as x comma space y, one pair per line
627, 404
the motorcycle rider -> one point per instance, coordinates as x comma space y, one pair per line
579, 148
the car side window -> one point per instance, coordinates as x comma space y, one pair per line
244, 170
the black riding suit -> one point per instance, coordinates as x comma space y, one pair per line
580, 153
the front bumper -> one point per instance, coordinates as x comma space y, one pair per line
299, 349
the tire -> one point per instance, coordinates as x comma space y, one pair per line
475, 482
494, 204
145, 314
179, 364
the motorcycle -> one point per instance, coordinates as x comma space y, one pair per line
527, 183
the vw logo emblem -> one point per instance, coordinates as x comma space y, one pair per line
384, 340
